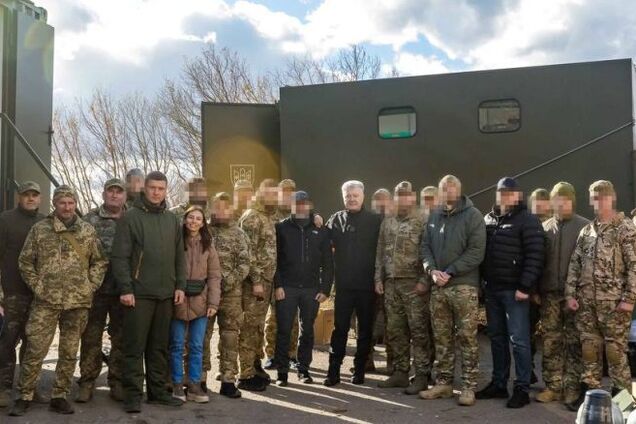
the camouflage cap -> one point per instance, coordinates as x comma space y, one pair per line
29, 186
287, 184
114, 182
381, 192
603, 188
242, 185
540, 194
563, 189
222, 197
429, 191
403, 187
64, 191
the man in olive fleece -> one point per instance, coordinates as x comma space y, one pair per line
149, 265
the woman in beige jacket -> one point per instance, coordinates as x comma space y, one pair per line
203, 294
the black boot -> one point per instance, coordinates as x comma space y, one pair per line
333, 375
19, 408
491, 391
61, 406
253, 384
519, 399
230, 390
281, 380
261, 373
574, 406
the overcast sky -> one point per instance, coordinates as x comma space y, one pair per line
128, 45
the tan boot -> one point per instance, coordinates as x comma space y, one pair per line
570, 396
419, 383
466, 398
195, 394
439, 391
548, 395
5, 398
85, 393
398, 379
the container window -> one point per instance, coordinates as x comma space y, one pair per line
397, 122
496, 116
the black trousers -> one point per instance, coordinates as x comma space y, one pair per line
302, 302
146, 337
362, 302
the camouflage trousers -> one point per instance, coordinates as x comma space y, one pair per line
270, 334
16, 313
207, 349
454, 313
562, 364
252, 335
600, 325
40, 330
104, 306
408, 318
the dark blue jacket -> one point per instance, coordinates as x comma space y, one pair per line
304, 257
514, 250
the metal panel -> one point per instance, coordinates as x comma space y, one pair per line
239, 141
329, 132
34, 98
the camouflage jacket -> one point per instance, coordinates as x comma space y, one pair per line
258, 224
398, 252
105, 224
603, 265
59, 275
232, 245
281, 214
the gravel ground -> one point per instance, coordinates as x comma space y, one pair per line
315, 403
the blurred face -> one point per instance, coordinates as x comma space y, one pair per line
404, 203
29, 200
285, 198
563, 207
381, 204
242, 197
301, 209
134, 184
270, 196
155, 191
197, 193
450, 192
602, 204
65, 208
353, 199
507, 199
194, 221
114, 198
540, 207
222, 212
428, 201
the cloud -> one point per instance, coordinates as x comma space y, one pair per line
415, 64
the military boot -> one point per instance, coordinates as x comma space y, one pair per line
418, 384
547, 395
574, 404
61, 406
438, 391
5, 398
398, 379
466, 398
85, 393
570, 396
333, 374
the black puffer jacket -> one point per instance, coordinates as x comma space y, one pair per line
514, 250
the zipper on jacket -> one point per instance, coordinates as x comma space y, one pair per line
141, 257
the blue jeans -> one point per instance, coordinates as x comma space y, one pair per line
195, 330
509, 322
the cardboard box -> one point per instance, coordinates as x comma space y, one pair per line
323, 326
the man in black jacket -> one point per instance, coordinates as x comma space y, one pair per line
304, 274
511, 269
354, 236
16, 298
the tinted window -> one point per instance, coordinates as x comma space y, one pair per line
499, 116
397, 122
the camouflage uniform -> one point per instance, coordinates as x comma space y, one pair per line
232, 246
105, 304
258, 224
602, 272
399, 268
63, 279
270, 322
